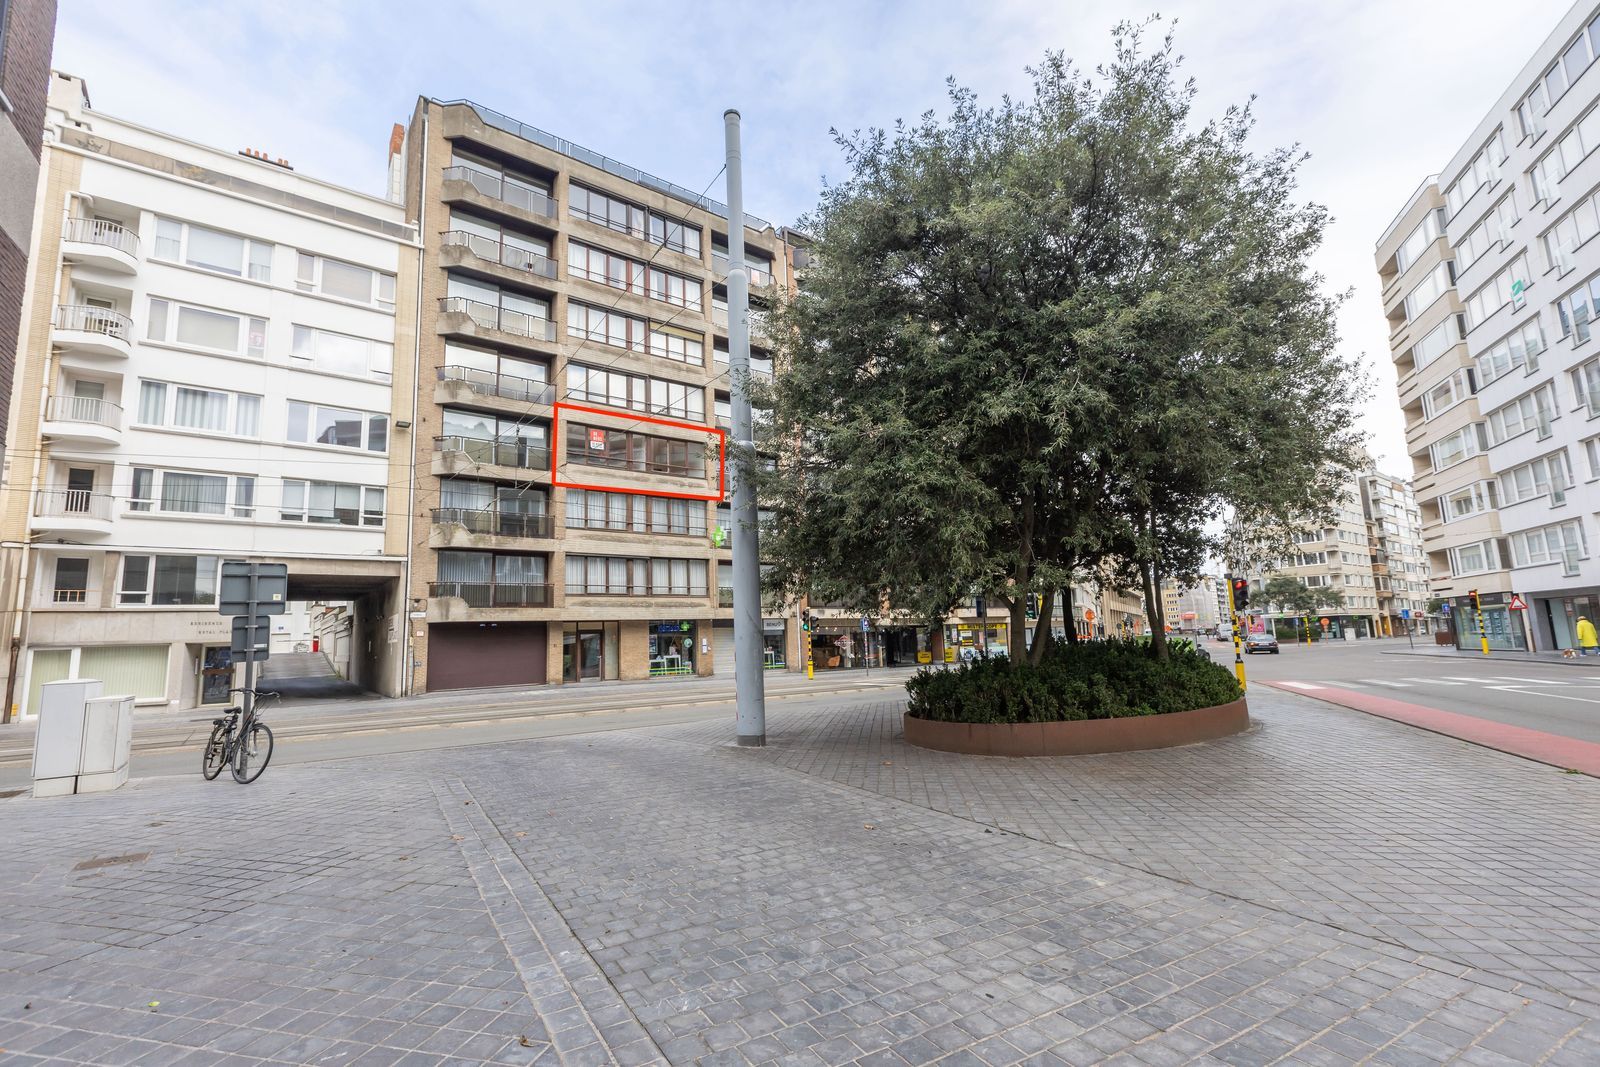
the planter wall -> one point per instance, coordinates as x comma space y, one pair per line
1080, 738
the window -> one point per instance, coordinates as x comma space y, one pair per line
188, 407
337, 353
188, 493
490, 240
608, 211
1591, 448
1586, 386
1484, 169
675, 234
72, 575
1471, 500
636, 576
1416, 242
1561, 543
207, 249
606, 327
500, 309
316, 424
1498, 291
1437, 342
1544, 178
1452, 449
1519, 348
1527, 412
1430, 288
681, 346
206, 328
1536, 479
164, 581
491, 179
1475, 558
589, 509
622, 450
343, 281
1447, 394
1572, 230
616, 389
604, 267
331, 503
1493, 230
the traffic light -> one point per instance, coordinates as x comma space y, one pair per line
1033, 606
807, 622
1472, 595
1241, 593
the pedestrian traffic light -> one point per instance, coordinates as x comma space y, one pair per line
1241, 593
1033, 605
807, 622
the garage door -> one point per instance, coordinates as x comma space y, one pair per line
722, 647
466, 655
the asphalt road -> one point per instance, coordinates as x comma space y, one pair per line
1559, 697
320, 731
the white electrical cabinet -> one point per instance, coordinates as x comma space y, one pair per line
83, 739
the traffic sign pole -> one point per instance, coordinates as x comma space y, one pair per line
1238, 648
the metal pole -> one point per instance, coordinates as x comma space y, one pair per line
1238, 648
749, 682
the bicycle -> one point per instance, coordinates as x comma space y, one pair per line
238, 742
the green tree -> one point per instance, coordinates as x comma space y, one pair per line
1290, 596
1053, 337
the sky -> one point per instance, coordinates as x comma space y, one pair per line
1381, 93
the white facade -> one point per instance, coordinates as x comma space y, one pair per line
1519, 215
218, 382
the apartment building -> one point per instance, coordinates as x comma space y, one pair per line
215, 363
573, 385
1394, 542
1194, 608
27, 33
1492, 318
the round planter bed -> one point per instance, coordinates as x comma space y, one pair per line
1082, 737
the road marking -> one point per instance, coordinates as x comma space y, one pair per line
1459, 678
1434, 681
1528, 681
1301, 685
1391, 685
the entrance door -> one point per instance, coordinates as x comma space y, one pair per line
582, 654
216, 674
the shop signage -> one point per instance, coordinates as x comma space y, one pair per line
949, 654
673, 627
597, 440
772, 626
927, 657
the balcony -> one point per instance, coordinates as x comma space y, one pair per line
471, 386
476, 319
494, 259
72, 511
469, 186
493, 594
513, 460
87, 420
97, 243
691, 469
92, 330
486, 528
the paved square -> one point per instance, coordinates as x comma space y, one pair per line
1326, 889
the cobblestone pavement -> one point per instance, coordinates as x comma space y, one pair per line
657, 896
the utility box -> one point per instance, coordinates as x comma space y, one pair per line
83, 740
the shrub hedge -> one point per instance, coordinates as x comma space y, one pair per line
1103, 679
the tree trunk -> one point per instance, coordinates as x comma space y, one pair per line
1068, 594
1150, 578
1041, 628
1018, 626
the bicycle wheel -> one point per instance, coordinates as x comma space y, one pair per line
252, 753
216, 755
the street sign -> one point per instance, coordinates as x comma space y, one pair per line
1088, 615
1445, 607
1517, 603
251, 637
270, 588
1405, 613
865, 625
1324, 622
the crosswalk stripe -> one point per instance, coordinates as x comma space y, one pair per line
1434, 681
1300, 685
1529, 681
1391, 685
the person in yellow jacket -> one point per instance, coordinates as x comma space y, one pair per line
1586, 636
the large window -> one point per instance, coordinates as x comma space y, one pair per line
589, 509
1494, 229
1437, 342
1433, 285
206, 328
1530, 411
338, 353
1498, 291
318, 424
1484, 168
620, 449
331, 503
164, 581
1418, 240
608, 211
1538, 478
1476, 558
72, 576
1562, 543
606, 327
189, 407
635, 576
192, 493
225, 253
1470, 500
492, 179
636, 391
1447, 394
629, 275
1453, 448
1586, 386
675, 234
1574, 228
681, 346
343, 281
491, 240
1519, 348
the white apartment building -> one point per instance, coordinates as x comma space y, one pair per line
210, 368
1394, 541
1491, 280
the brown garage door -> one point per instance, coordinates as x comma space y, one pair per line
465, 655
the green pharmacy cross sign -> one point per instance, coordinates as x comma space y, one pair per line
719, 536
1517, 288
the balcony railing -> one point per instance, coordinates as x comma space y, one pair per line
719, 270
494, 594
509, 386
83, 409
70, 596
94, 320
100, 232
517, 196
491, 317
513, 453
494, 522
72, 503
680, 470
499, 252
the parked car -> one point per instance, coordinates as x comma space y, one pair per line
1261, 643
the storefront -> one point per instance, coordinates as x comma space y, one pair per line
974, 639
1557, 617
589, 651
906, 646
1502, 626
774, 650
671, 648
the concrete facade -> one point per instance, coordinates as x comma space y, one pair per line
191, 310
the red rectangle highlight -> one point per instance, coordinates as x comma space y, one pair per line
557, 446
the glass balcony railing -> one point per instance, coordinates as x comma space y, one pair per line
513, 453
491, 317
507, 255
494, 522
512, 193
494, 594
508, 386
